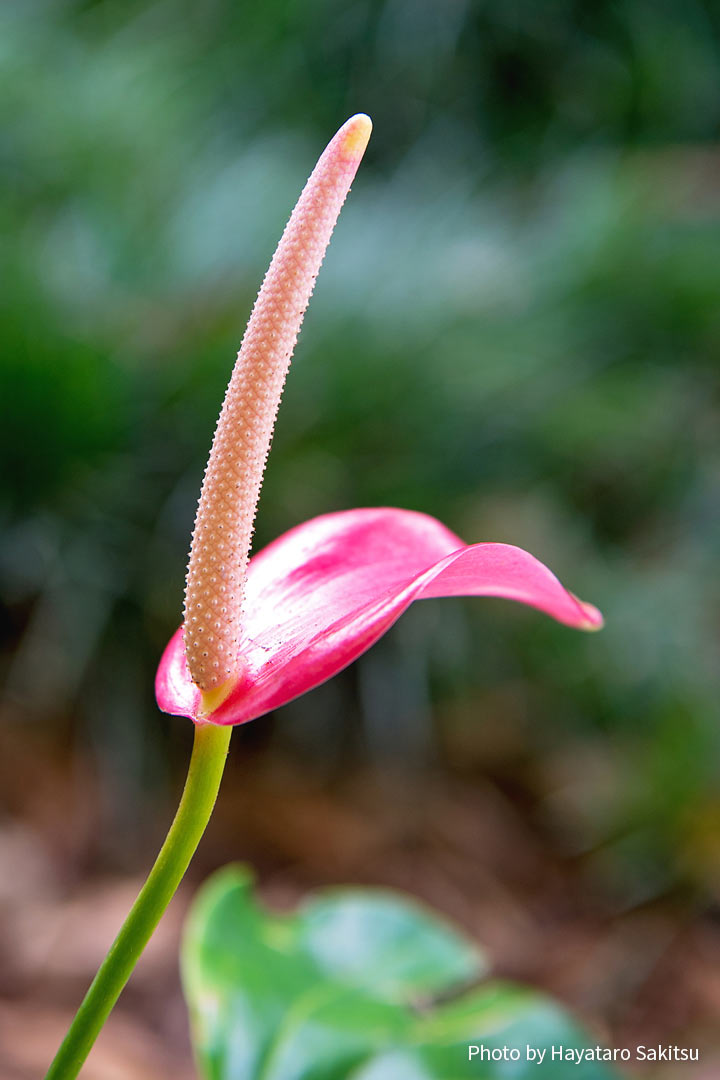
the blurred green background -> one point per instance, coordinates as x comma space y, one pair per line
516, 329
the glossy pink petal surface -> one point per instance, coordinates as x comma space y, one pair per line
323, 593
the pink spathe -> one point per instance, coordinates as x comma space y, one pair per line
323, 593
231, 487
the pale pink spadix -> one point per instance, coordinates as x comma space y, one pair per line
231, 487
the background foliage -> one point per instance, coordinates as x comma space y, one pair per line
516, 330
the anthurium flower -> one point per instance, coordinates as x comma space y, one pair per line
258, 634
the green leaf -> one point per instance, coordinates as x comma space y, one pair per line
348, 987
386, 944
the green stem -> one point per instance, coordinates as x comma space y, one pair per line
196, 805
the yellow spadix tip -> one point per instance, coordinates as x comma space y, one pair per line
355, 134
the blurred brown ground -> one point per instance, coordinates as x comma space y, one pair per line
649, 973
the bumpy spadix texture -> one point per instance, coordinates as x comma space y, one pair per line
230, 491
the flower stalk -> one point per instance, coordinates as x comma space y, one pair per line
210, 750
